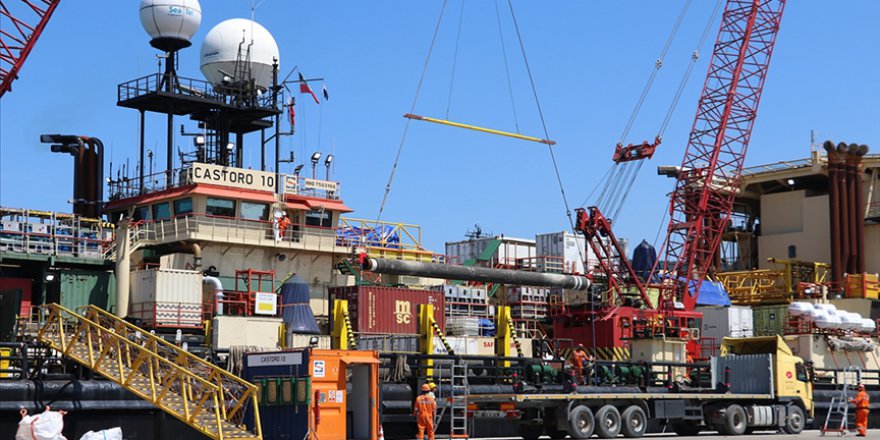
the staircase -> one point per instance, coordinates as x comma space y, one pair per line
200, 394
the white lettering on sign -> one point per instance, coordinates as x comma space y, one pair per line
231, 176
319, 367
325, 185
269, 359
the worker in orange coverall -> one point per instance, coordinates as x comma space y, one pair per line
862, 401
424, 410
578, 359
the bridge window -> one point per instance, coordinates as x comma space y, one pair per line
161, 211
220, 207
254, 211
142, 213
183, 206
318, 218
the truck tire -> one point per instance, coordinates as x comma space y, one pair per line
531, 432
686, 429
607, 422
795, 422
634, 422
735, 421
581, 422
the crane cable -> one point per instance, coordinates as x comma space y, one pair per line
506, 66
454, 60
412, 109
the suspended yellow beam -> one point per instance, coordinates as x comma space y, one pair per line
482, 129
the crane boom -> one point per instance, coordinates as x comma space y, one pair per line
709, 178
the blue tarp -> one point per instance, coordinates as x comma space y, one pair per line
296, 310
711, 294
352, 235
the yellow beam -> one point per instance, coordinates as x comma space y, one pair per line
481, 129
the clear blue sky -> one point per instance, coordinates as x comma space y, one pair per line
589, 59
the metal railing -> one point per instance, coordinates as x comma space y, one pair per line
53, 234
192, 390
755, 287
392, 240
239, 97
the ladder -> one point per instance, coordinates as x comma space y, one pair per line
458, 421
837, 419
198, 393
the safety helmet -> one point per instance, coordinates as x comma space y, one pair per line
426, 387
860, 387
432, 385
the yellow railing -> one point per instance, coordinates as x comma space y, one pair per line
376, 238
192, 390
754, 287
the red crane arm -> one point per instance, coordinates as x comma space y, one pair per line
27, 20
702, 202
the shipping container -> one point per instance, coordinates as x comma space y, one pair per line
79, 288
770, 320
227, 331
167, 297
388, 309
724, 322
23, 285
563, 252
514, 252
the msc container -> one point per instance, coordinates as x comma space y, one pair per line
770, 320
79, 288
388, 309
724, 322
167, 297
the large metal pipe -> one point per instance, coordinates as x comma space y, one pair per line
834, 213
479, 274
853, 207
843, 199
860, 209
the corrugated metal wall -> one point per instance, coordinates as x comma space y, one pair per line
80, 288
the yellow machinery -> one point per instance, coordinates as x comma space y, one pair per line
772, 286
198, 393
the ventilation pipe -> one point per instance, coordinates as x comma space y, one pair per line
123, 267
218, 292
843, 200
197, 256
834, 211
859, 212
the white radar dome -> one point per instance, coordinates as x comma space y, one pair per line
171, 23
230, 41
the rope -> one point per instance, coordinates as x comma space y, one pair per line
455, 59
412, 110
506, 67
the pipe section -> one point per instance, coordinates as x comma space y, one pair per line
479, 274
859, 213
843, 199
218, 292
834, 212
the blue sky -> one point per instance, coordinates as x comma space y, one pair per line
590, 61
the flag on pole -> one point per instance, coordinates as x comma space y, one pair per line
304, 88
291, 114
326, 94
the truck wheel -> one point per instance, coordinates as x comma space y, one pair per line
634, 422
796, 420
531, 432
686, 429
607, 422
581, 422
735, 422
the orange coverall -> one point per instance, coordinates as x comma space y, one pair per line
424, 412
862, 401
577, 361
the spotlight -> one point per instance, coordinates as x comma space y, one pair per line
790, 182
50, 277
199, 140
313, 341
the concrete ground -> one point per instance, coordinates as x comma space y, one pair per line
811, 435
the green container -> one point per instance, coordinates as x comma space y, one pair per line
80, 288
770, 320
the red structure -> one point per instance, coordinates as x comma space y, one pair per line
28, 19
708, 179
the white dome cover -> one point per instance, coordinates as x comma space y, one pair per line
174, 19
799, 308
868, 326
220, 50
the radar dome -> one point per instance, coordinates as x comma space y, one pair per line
230, 41
171, 23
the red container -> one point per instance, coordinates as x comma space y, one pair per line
388, 309
20, 283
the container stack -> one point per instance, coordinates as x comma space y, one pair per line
466, 301
530, 303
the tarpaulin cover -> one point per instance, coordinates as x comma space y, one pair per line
296, 310
644, 257
382, 236
711, 294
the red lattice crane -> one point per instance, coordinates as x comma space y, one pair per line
23, 22
709, 178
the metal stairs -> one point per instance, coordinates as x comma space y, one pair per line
200, 394
454, 391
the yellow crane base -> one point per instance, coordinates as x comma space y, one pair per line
481, 129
